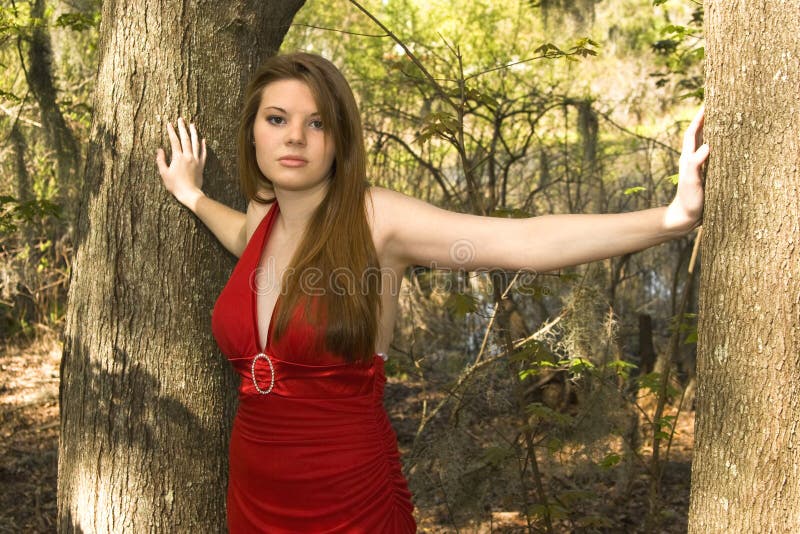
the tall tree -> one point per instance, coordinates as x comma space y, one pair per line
40, 77
145, 397
745, 475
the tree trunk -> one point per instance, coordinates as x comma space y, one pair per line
58, 136
745, 475
146, 398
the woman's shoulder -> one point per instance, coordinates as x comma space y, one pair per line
381, 204
391, 208
386, 203
256, 211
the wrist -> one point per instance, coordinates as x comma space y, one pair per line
190, 198
677, 222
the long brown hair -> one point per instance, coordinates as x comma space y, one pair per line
338, 242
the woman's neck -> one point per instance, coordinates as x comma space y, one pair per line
297, 208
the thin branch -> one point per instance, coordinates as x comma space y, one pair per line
380, 36
469, 371
439, 89
634, 134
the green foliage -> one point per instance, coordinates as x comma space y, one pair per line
545, 414
13, 212
535, 353
651, 382
441, 124
634, 190
496, 456
610, 460
78, 21
682, 53
461, 304
621, 368
686, 325
664, 426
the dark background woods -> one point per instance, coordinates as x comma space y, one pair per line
531, 403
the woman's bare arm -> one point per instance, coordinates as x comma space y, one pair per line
421, 234
183, 177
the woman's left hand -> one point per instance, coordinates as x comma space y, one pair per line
686, 210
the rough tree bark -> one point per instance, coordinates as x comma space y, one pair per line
146, 399
746, 470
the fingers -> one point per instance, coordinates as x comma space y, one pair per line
203, 154
694, 133
185, 143
702, 154
161, 162
195, 143
174, 143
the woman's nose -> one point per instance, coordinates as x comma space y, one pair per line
296, 134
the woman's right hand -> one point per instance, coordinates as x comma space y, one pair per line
184, 175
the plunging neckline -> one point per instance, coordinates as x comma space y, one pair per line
270, 221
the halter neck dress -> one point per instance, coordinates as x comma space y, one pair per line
311, 449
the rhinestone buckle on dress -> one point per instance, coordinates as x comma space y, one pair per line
258, 356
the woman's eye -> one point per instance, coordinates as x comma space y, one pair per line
317, 124
275, 119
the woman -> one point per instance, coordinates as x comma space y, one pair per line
308, 313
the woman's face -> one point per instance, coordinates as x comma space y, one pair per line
293, 148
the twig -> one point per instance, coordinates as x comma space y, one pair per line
439, 89
492, 318
472, 369
657, 468
340, 31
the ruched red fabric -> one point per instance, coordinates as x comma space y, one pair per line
317, 453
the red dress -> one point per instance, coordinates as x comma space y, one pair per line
316, 453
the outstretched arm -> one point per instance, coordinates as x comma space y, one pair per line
421, 234
183, 177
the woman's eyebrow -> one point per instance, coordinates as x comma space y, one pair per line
312, 114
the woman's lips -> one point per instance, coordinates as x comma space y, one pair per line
293, 162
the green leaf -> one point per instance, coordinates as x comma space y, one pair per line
440, 124
674, 178
77, 21
621, 367
9, 96
650, 381
533, 351
632, 190
553, 445
611, 459
548, 415
460, 304
525, 373
673, 28
13, 212
697, 93
578, 365
483, 98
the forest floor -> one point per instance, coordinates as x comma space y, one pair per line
29, 428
